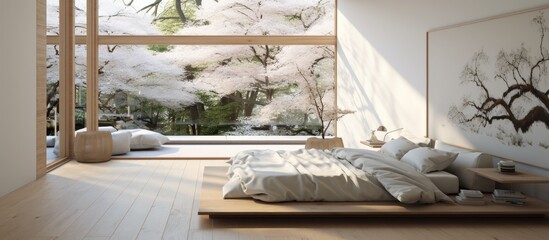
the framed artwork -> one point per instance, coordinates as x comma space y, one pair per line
488, 86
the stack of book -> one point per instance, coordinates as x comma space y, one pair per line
373, 143
470, 197
506, 167
508, 196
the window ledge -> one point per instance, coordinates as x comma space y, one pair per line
238, 139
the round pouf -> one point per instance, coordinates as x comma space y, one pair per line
93, 147
319, 143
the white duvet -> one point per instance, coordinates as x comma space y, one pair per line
316, 175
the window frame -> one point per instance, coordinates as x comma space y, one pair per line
67, 40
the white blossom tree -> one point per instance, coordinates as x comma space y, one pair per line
264, 79
267, 82
124, 70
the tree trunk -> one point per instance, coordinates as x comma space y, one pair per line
232, 98
196, 111
180, 11
249, 104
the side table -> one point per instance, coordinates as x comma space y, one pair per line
517, 177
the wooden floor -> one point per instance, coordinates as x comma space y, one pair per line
158, 199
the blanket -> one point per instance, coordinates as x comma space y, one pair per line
321, 175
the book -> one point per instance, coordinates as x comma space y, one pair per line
508, 194
504, 201
375, 142
508, 199
470, 193
470, 201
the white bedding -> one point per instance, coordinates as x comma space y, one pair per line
316, 175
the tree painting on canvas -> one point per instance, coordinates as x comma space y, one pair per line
488, 85
513, 101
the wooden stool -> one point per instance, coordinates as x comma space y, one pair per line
93, 147
319, 143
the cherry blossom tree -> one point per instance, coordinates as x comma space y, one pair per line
259, 85
138, 73
263, 79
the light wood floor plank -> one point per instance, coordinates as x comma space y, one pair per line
108, 223
96, 238
99, 183
48, 186
35, 215
79, 228
200, 227
133, 221
177, 226
154, 225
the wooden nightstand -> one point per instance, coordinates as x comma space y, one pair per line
373, 145
518, 177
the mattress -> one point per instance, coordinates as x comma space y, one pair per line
445, 181
316, 175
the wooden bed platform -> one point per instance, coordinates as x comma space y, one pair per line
213, 204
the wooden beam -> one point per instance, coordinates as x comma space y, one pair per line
66, 77
204, 40
92, 94
40, 88
218, 40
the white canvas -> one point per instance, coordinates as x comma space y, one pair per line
451, 49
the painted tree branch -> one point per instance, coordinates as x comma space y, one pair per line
521, 76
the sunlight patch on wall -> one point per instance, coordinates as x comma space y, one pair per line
369, 84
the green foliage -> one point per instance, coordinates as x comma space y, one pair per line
159, 48
168, 21
218, 117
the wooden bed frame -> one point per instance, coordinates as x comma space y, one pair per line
213, 205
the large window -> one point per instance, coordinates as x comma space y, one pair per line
210, 67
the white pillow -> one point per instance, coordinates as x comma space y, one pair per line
467, 159
396, 148
50, 141
420, 141
56, 146
426, 159
145, 139
105, 129
121, 142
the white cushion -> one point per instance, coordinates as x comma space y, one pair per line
50, 141
445, 181
468, 159
396, 148
106, 129
145, 139
420, 141
121, 142
56, 146
426, 159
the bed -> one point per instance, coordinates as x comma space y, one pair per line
218, 198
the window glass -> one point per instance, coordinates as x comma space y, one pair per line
80, 86
214, 17
80, 18
52, 101
52, 88
52, 17
215, 90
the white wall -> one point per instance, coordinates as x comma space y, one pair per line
17, 94
382, 60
